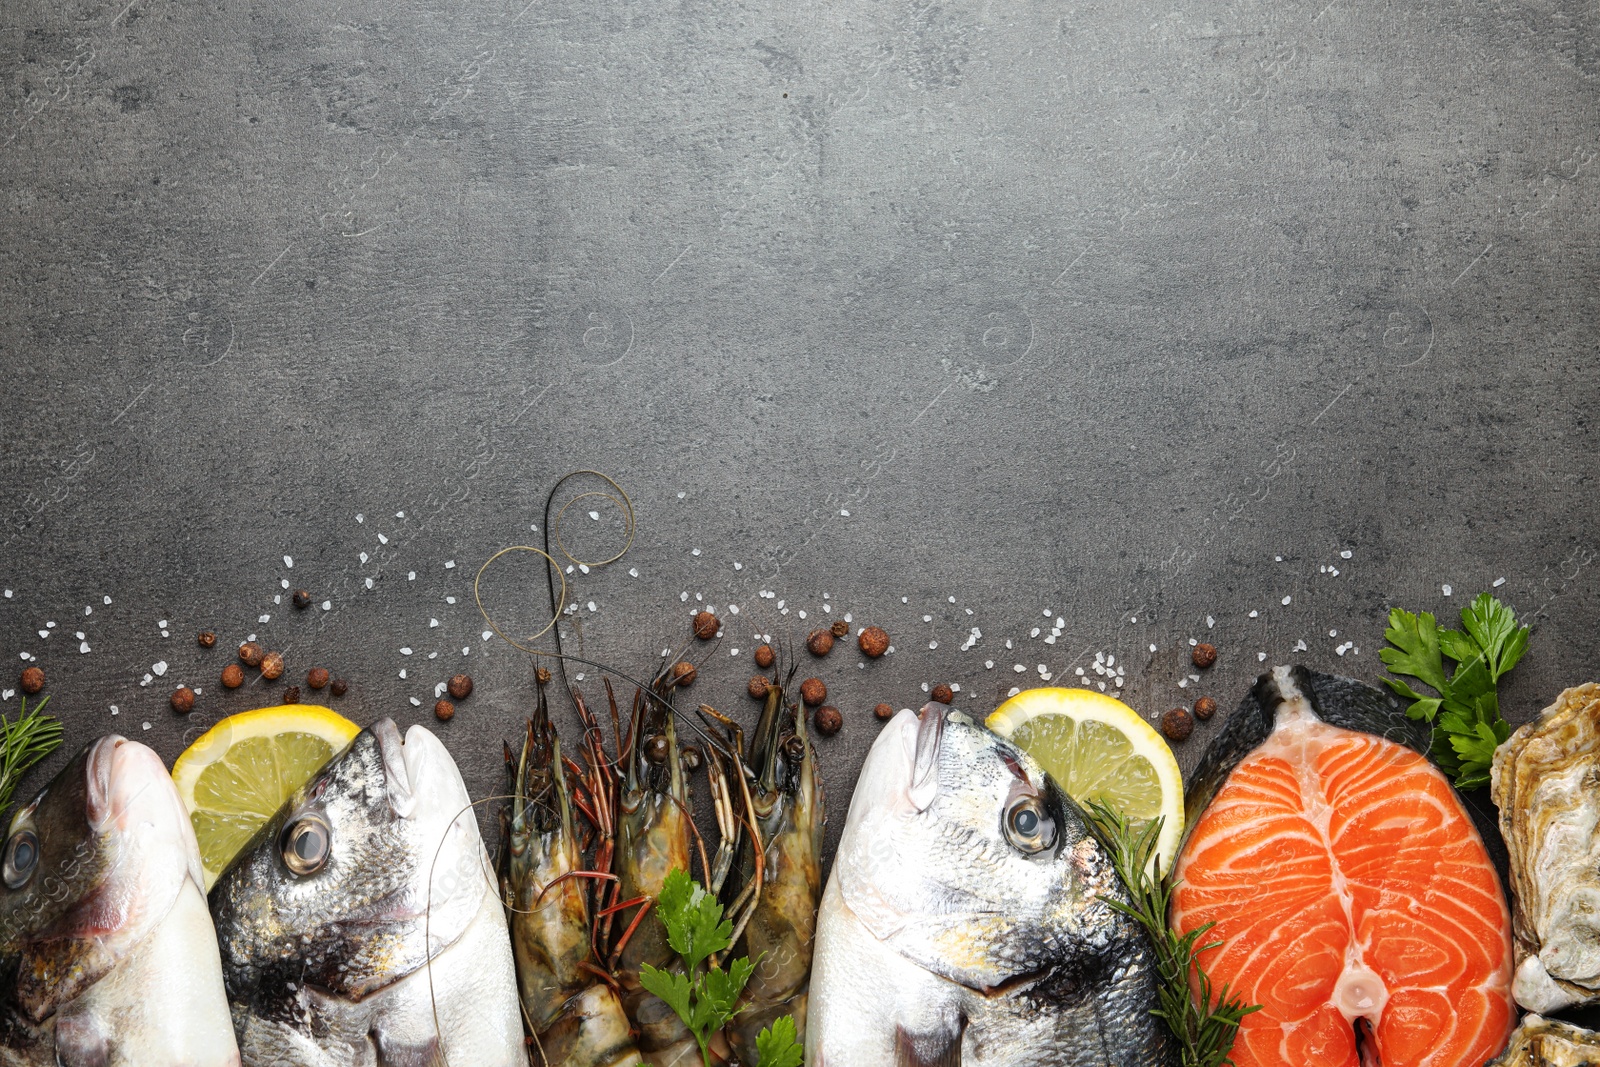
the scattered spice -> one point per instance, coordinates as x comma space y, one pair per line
706, 625
943, 694
683, 673
207, 639
692, 758
884, 711
291, 694
656, 749
828, 720
233, 676
813, 692
1177, 724
272, 666
32, 680
460, 686
758, 686
1204, 708
338, 687
302, 599
182, 700
765, 657
317, 677
250, 654
542, 675
874, 641
1204, 655
819, 642
840, 628
444, 710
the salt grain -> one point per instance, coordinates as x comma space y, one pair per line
1346, 554
733, 609
932, 645
1286, 600
988, 664
1255, 614
449, 600
416, 703
104, 600
360, 517
158, 668
1210, 622
591, 606
738, 566
1446, 589
382, 540
1152, 648
411, 576
369, 583
83, 646
327, 605
406, 651
402, 674
288, 561
1260, 656
486, 635
633, 572
1498, 582
1019, 668
88, 610
432, 623
268, 618
694, 552
449, 564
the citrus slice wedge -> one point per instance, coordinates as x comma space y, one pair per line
1098, 748
241, 771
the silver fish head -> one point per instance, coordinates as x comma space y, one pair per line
965, 856
363, 875
91, 866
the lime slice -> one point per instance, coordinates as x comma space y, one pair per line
1098, 748
239, 773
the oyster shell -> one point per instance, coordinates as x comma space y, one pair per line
1540, 1042
1546, 783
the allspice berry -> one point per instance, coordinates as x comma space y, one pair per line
1204, 708
765, 657
1177, 724
32, 680
691, 758
943, 694
1204, 655
542, 675
317, 677
840, 628
706, 625
272, 666
250, 654
758, 686
291, 694
828, 720
460, 686
813, 692
182, 700
302, 599
233, 676
207, 639
874, 641
338, 687
884, 711
444, 710
683, 673
819, 642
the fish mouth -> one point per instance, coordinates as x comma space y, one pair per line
397, 767
116, 774
925, 764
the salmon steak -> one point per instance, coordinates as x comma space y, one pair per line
1352, 894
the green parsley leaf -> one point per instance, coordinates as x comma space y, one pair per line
1467, 724
669, 986
776, 1046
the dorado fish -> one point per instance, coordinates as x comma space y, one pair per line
362, 926
107, 955
1353, 896
967, 918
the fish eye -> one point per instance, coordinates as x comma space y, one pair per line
306, 845
1029, 827
22, 856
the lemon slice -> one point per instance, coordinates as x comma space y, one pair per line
1098, 748
241, 771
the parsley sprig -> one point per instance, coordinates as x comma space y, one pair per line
1467, 724
706, 999
24, 741
1204, 1021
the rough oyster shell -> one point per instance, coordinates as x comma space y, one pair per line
1540, 1042
1546, 783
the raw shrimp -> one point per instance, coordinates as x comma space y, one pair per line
575, 1016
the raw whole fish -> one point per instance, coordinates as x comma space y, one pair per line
1354, 896
966, 919
363, 926
107, 955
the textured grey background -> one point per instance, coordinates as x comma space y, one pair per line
1094, 308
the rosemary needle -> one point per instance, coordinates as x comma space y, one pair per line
1203, 1024
24, 741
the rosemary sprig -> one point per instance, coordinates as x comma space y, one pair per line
24, 741
1203, 1025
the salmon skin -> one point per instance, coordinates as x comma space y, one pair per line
1352, 892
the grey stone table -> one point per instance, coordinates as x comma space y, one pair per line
1226, 321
